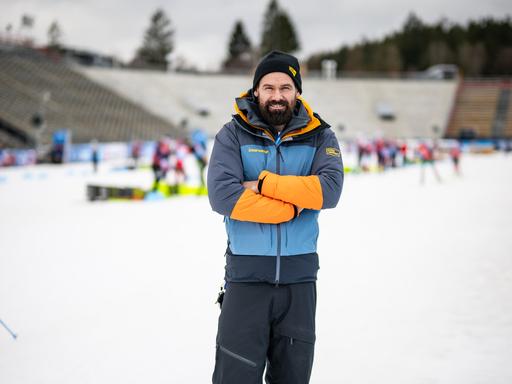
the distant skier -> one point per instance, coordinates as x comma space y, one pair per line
160, 163
393, 151
198, 147
364, 152
135, 153
95, 157
427, 157
180, 151
455, 156
403, 153
381, 154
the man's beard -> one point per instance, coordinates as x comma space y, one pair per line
276, 118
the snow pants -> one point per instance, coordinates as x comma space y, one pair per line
266, 326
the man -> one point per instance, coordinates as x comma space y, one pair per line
273, 167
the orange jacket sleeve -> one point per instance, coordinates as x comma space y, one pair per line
261, 209
302, 191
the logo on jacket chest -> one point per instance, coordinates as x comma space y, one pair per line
258, 150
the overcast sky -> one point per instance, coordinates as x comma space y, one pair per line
203, 27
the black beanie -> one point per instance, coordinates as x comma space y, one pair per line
277, 61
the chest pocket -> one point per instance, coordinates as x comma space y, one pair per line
256, 158
296, 159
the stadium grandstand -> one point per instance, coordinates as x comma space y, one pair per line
40, 95
482, 110
119, 104
390, 108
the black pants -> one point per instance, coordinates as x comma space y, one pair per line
263, 325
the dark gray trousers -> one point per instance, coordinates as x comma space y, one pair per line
263, 325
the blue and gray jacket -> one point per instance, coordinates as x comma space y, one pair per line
269, 238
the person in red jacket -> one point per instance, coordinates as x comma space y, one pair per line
427, 157
455, 156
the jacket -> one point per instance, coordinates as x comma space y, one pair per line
268, 239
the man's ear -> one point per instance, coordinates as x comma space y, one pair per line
255, 93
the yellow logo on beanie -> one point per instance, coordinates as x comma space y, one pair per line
292, 70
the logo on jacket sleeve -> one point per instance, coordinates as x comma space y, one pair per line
334, 152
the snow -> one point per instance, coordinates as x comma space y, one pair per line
415, 283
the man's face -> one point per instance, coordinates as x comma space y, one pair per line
277, 97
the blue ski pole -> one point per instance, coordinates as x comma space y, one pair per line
14, 336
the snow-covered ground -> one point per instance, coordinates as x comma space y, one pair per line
415, 285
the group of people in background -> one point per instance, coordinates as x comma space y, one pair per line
389, 153
168, 158
170, 155
383, 154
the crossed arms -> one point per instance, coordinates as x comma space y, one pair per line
273, 198
281, 195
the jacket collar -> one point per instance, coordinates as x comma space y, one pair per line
303, 119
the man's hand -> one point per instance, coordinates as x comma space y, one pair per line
252, 185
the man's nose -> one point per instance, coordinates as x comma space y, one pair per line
277, 95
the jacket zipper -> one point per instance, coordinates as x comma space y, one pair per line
238, 357
278, 228
276, 142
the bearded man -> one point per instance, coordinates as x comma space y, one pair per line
274, 166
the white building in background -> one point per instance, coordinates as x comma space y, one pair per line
206, 101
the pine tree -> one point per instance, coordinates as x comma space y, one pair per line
413, 42
239, 43
158, 42
268, 27
278, 31
239, 49
480, 48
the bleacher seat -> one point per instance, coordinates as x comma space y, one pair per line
88, 109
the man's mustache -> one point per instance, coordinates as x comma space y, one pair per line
281, 103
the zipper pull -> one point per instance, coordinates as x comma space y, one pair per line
278, 139
279, 152
291, 340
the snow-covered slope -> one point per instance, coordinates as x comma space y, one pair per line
415, 285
